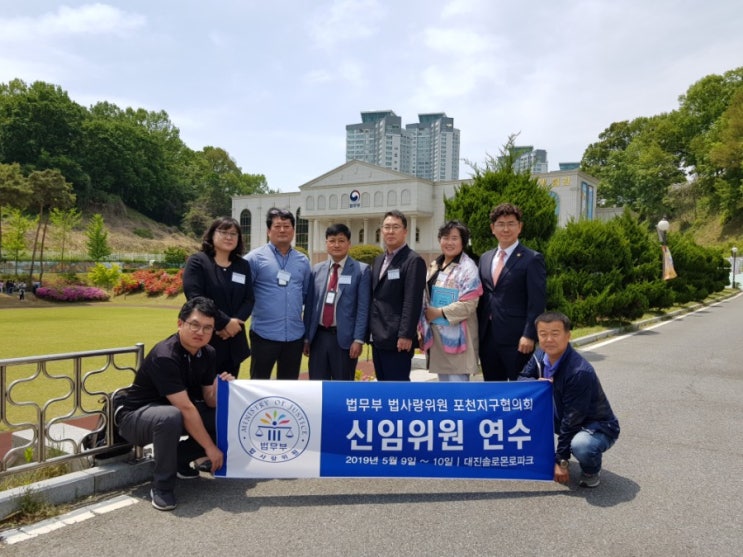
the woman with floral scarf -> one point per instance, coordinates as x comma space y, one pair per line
448, 323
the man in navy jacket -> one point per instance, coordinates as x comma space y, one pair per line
584, 421
508, 306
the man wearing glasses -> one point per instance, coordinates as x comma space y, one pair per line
514, 281
398, 279
174, 393
281, 280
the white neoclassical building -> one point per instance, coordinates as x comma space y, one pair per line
358, 194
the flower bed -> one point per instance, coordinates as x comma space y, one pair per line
72, 294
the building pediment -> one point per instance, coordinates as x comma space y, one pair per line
358, 173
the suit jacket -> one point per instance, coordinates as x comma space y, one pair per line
514, 303
351, 303
232, 292
396, 303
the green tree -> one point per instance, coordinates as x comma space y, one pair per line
97, 234
50, 189
41, 128
64, 222
15, 191
496, 183
636, 163
217, 178
14, 240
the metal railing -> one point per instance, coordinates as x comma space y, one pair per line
35, 434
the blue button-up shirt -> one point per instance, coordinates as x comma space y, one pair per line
277, 314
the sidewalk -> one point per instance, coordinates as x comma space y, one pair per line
118, 473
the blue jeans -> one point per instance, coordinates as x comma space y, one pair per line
588, 447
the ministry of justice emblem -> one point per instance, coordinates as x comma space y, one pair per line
274, 429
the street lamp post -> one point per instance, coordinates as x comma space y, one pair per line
662, 227
734, 251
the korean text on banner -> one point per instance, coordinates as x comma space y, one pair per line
274, 429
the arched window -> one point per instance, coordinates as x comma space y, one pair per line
391, 198
310, 203
320, 202
302, 229
246, 220
417, 234
333, 201
365, 199
377, 236
361, 236
405, 197
344, 201
378, 199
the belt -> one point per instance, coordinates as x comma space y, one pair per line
328, 329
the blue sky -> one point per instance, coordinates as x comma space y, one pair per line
275, 83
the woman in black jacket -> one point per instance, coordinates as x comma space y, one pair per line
219, 272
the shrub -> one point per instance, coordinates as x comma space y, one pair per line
153, 281
72, 294
143, 233
175, 256
104, 277
365, 253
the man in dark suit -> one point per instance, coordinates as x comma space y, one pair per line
336, 314
398, 280
514, 281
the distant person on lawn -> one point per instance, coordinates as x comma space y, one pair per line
174, 393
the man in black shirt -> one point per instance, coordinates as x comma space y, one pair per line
174, 393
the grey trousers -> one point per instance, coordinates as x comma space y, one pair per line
162, 425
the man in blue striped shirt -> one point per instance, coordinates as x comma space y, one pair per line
281, 280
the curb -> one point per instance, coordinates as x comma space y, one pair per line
116, 473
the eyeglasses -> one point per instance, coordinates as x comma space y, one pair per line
392, 227
227, 234
508, 224
281, 227
195, 327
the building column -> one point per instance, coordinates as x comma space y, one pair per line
411, 232
366, 231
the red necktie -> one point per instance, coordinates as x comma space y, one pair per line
499, 266
328, 310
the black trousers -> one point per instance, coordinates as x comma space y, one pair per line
328, 360
392, 365
287, 356
162, 425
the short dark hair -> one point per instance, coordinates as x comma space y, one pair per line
464, 232
505, 209
398, 215
281, 214
201, 304
339, 228
551, 317
222, 223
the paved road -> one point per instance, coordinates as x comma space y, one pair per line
672, 485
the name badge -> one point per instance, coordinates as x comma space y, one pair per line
393, 274
344, 279
283, 277
239, 278
330, 297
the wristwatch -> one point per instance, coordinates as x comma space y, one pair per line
563, 464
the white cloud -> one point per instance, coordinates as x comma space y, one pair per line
90, 19
345, 21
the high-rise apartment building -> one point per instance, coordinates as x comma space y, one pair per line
428, 149
528, 158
